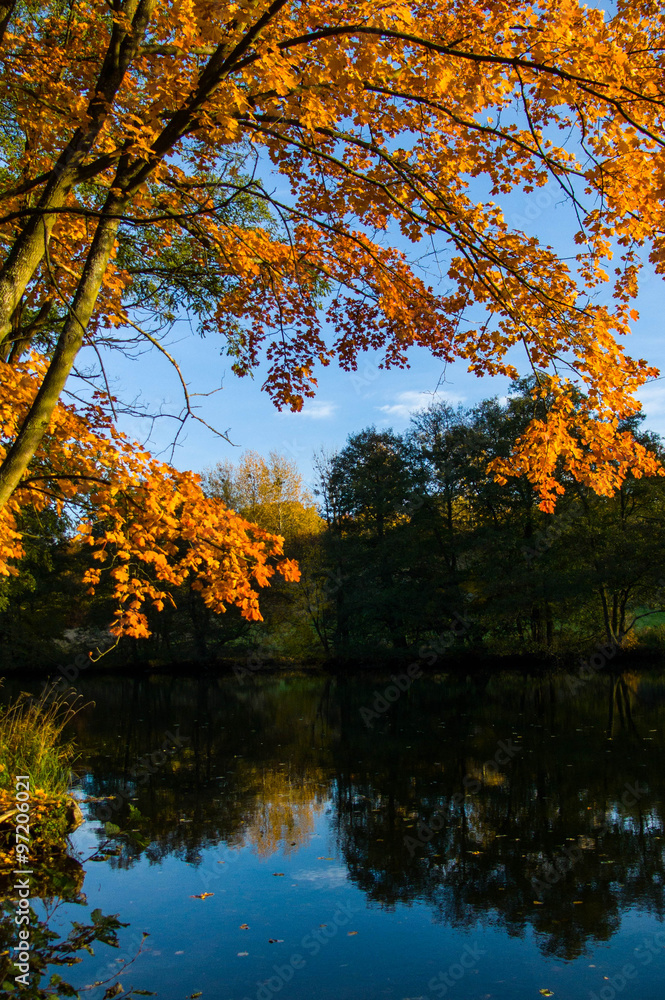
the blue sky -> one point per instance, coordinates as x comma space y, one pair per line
347, 402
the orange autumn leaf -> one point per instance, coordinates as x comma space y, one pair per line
155, 520
138, 137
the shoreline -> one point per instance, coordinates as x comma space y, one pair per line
242, 667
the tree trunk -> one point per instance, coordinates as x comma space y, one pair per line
32, 244
69, 343
6, 11
610, 635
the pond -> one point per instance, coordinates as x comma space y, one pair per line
343, 839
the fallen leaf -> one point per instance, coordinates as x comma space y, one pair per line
202, 895
280, 874
193, 996
351, 933
546, 993
244, 927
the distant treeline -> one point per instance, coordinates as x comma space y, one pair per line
408, 547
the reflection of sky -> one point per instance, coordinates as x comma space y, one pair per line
347, 402
374, 952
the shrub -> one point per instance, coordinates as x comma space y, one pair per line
31, 741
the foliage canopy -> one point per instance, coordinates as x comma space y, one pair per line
136, 139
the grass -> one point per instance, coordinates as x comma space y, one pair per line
32, 743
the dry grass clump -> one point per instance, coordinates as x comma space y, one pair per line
32, 743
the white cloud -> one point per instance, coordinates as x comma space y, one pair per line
329, 877
319, 409
407, 403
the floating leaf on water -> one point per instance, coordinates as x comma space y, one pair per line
202, 895
193, 996
546, 993
244, 927
351, 933
278, 874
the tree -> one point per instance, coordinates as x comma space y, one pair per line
371, 490
441, 436
269, 492
541, 581
150, 527
134, 130
619, 547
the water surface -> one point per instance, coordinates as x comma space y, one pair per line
474, 839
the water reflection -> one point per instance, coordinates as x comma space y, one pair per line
524, 803
40, 968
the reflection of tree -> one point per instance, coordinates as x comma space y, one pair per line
57, 874
51, 950
252, 770
263, 756
285, 807
565, 782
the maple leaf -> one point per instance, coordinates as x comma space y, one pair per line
136, 192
